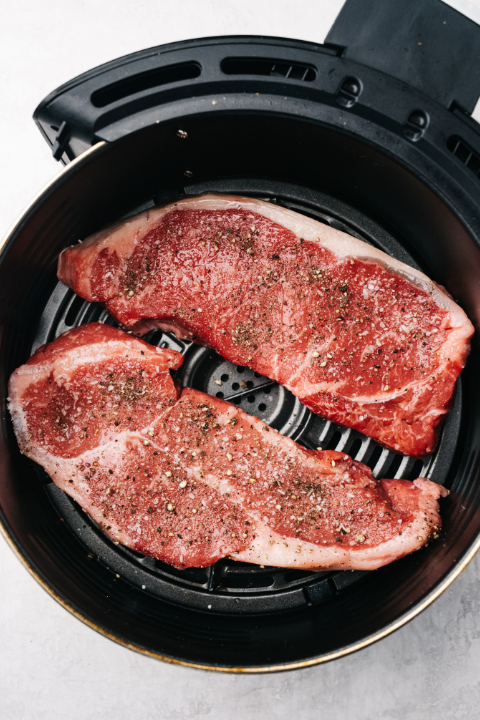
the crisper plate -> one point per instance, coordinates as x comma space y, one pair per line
230, 586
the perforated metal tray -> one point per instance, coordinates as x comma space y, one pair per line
230, 586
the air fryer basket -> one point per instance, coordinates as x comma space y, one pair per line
356, 169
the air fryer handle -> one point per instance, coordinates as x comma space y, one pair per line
425, 43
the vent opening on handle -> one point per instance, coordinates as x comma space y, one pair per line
465, 153
145, 81
265, 66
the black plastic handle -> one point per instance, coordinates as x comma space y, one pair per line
425, 43
114, 99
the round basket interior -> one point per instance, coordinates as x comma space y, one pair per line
235, 616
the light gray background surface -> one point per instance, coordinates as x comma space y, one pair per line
51, 665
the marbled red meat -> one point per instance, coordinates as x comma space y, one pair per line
188, 479
359, 337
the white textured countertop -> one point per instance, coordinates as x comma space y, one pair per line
51, 665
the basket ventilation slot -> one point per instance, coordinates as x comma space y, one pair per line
464, 153
264, 66
145, 81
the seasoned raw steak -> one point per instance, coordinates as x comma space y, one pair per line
359, 337
192, 479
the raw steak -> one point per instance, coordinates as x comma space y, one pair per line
359, 337
188, 478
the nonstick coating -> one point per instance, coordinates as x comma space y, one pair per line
293, 161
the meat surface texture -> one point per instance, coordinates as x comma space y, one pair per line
359, 337
189, 479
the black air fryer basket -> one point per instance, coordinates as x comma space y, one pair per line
369, 133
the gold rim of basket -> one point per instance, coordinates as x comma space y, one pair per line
261, 669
